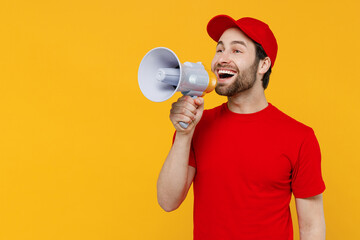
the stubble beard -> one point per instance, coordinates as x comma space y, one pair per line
244, 81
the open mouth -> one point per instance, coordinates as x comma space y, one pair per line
224, 74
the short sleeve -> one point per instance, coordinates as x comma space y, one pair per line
192, 161
307, 178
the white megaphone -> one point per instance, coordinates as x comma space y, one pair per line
161, 75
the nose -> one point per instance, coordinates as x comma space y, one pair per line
224, 58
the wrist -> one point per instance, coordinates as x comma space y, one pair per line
184, 136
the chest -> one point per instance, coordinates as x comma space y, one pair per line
250, 154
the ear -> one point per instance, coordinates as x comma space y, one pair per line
264, 65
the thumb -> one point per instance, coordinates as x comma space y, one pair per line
199, 101
200, 108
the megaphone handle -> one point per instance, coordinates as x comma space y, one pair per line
185, 125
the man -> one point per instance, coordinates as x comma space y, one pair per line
244, 157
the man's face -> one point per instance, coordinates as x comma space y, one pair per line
234, 63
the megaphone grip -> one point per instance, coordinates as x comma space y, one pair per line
185, 125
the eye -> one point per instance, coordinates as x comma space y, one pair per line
219, 51
237, 51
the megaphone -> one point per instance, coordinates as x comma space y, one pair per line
161, 75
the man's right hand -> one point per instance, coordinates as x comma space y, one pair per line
187, 110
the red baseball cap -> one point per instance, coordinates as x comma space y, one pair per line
255, 29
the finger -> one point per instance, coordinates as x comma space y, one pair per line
180, 116
176, 118
187, 99
183, 111
184, 104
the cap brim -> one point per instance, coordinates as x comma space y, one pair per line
218, 24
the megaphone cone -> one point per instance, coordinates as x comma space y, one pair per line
151, 87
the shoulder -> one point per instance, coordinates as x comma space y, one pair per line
288, 123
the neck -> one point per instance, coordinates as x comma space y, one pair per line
249, 101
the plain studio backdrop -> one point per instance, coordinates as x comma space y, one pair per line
81, 147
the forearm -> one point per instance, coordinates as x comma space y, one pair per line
317, 233
172, 181
313, 230
311, 218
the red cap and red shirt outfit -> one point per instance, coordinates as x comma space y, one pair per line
249, 165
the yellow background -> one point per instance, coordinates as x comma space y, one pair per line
81, 147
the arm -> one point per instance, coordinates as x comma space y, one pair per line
311, 217
176, 175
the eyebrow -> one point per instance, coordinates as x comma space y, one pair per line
233, 42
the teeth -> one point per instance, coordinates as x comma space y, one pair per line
226, 72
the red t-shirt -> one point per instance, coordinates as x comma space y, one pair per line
247, 167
